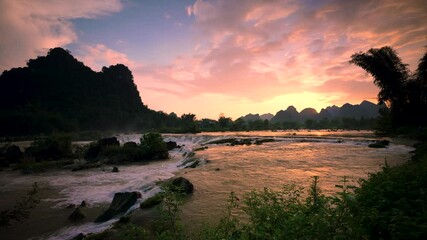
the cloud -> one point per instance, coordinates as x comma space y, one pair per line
30, 27
99, 55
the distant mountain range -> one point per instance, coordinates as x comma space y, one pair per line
365, 109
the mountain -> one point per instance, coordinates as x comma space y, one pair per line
256, 117
267, 116
56, 92
289, 115
251, 117
308, 113
365, 110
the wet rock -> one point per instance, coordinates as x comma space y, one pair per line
83, 203
130, 145
171, 145
76, 215
152, 201
12, 154
115, 169
181, 185
95, 148
71, 206
111, 141
217, 169
264, 140
122, 201
200, 148
193, 164
379, 144
79, 236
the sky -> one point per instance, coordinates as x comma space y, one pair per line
230, 57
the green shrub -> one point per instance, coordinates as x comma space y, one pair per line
153, 146
392, 204
286, 214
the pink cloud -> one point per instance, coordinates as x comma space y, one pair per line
30, 27
99, 55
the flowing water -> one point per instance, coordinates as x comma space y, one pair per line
292, 157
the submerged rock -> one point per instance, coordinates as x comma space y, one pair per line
122, 201
115, 169
76, 215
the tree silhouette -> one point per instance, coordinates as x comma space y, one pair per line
404, 92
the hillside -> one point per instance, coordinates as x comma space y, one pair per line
56, 92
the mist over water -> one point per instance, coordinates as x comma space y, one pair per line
293, 157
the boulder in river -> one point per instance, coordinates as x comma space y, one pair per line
96, 147
76, 215
122, 201
115, 169
379, 144
171, 145
181, 185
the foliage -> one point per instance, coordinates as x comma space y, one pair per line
132, 232
21, 210
403, 91
153, 146
286, 214
53, 147
392, 204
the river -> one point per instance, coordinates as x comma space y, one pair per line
293, 157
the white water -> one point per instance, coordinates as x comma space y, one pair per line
294, 156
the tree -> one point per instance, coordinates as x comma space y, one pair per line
403, 92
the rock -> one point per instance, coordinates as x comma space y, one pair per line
130, 145
152, 201
12, 154
79, 236
217, 169
95, 148
171, 145
376, 145
83, 204
122, 201
111, 141
264, 140
193, 164
379, 144
77, 215
181, 185
115, 169
71, 206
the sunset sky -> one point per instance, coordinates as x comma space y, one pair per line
225, 56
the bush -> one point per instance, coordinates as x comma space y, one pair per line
392, 204
154, 147
51, 148
286, 214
